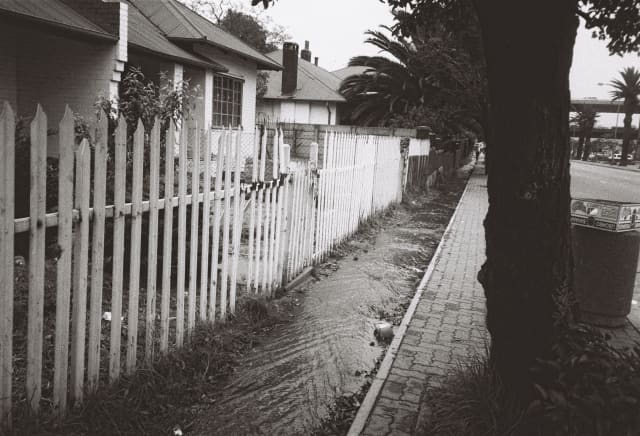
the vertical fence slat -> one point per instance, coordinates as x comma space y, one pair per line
286, 213
37, 213
152, 255
226, 143
117, 277
7, 200
215, 244
195, 212
237, 220
279, 216
80, 269
206, 219
261, 199
182, 234
167, 237
63, 272
252, 208
97, 255
136, 236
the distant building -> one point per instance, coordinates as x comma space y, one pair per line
302, 92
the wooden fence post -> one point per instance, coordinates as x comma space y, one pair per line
63, 273
152, 269
7, 205
38, 178
118, 248
80, 268
167, 237
134, 254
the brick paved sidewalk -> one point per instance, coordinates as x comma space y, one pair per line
448, 322
446, 326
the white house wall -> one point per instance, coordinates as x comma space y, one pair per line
302, 112
239, 68
288, 111
268, 110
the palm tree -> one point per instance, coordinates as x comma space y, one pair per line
584, 121
628, 90
427, 80
388, 86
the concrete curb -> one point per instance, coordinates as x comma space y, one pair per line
383, 372
300, 278
615, 167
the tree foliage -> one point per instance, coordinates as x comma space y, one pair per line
428, 78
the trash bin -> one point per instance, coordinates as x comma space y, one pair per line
606, 246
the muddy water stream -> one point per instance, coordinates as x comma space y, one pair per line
287, 383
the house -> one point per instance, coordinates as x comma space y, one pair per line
302, 92
59, 52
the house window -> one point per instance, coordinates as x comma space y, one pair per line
227, 101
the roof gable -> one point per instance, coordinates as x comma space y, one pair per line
178, 22
314, 83
146, 36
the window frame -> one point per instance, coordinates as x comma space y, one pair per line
227, 95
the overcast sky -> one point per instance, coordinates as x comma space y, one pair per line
335, 29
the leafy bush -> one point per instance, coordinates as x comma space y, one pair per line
587, 387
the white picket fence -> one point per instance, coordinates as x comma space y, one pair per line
198, 259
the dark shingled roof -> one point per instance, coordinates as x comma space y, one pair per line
54, 13
179, 23
145, 36
314, 83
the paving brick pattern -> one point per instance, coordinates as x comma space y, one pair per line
448, 324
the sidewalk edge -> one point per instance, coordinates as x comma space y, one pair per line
376, 386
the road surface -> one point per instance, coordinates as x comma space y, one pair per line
609, 183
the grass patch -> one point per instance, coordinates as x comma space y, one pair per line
174, 389
471, 401
586, 386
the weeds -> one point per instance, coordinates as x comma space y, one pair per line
174, 389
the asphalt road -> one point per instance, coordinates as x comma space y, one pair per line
603, 182
609, 183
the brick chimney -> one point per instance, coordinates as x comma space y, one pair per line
290, 70
315, 61
306, 53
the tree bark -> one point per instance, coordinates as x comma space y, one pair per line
626, 138
527, 275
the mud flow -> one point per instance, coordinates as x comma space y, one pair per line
287, 384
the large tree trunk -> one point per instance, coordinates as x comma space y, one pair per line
527, 274
626, 138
